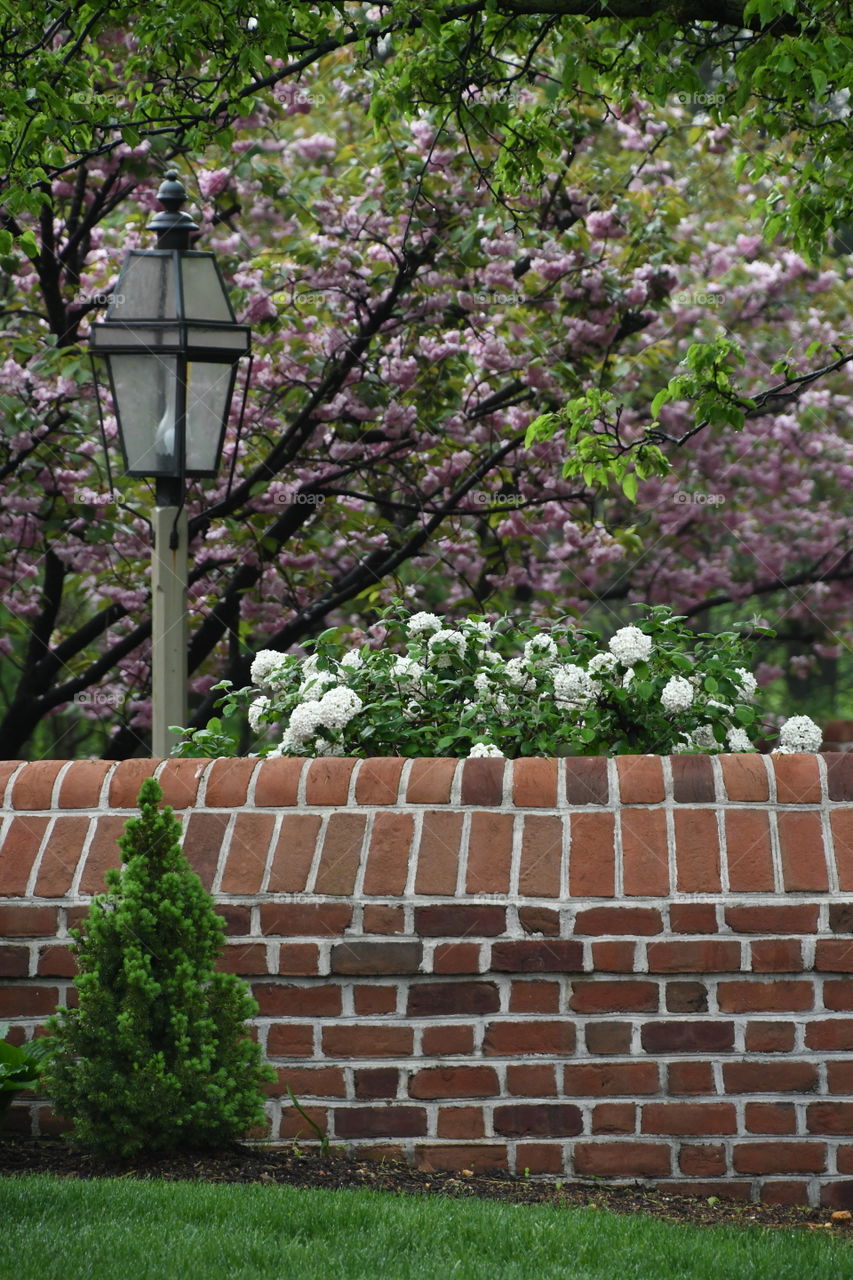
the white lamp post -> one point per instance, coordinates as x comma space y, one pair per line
171, 346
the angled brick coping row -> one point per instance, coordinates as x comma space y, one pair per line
634, 968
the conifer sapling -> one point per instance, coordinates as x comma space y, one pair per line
157, 1055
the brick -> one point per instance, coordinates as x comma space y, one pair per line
784, 1191
627, 996
748, 851
341, 854
534, 783
237, 918
692, 779
430, 998
181, 781
228, 783
604, 1079
299, 959
539, 1157
126, 779
688, 1118
841, 917
692, 917
247, 853
770, 1117
765, 997
277, 783
438, 850
645, 871
378, 918
842, 841
33, 786
247, 958
534, 997
838, 994
370, 1001
686, 997
62, 853
482, 782
586, 780
380, 1122
528, 1037
483, 1158
294, 849
312, 1082
608, 1037
687, 1037
690, 1077
622, 1159
745, 778
545, 956
15, 962
489, 852
614, 957
839, 775
775, 918
544, 920
18, 853
844, 1158
7, 770
640, 779
770, 1077
454, 1082
81, 785
290, 1040
797, 779
430, 781
830, 1117
834, 955
460, 1122
367, 958
27, 922
702, 1160
377, 1082
777, 955
294, 1125
531, 1080
592, 859
769, 1037
318, 920
327, 781
28, 1002
541, 1120
803, 859
442, 1042
457, 957
640, 921
779, 1157
204, 836
614, 1117
541, 857
104, 853
377, 780
834, 1034
704, 956
697, 850
367, 1040
445, 920
837, 1195
388, 854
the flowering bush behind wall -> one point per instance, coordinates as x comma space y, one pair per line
485, 687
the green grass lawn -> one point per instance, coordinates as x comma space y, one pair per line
57, 1229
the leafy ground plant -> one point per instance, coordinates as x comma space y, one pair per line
157, 1055
21, 1066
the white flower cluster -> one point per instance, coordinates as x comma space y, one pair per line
677, 694
256, 710
484, 751
630, 645
442, 642
800, 733
333, 711
421, 623
267, 661
747, 684
573, 686
541, 647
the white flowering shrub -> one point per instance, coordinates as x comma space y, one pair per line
481, 689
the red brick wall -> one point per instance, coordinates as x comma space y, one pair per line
636, 968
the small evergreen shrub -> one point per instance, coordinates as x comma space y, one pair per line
157, 1056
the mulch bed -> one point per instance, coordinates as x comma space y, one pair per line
292, 1166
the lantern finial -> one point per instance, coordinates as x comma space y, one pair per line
175, 229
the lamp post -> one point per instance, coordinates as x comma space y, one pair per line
171, 346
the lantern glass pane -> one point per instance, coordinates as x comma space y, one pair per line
208, 399
204, 296
146, 287
144, 389
142, 337
231, 341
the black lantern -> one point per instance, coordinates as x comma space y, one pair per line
171, 345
